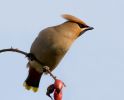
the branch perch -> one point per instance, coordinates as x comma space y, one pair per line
47, 69
30, 57
14, 50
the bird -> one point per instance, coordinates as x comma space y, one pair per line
51, 45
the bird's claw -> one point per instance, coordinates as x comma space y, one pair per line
46, 68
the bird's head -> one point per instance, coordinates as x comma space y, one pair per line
78, 23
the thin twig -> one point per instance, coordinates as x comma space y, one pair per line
14, 50
30, 57
47, 69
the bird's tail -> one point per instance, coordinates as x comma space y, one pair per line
33, 80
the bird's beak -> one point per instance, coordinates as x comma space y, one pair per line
89, 28
86, 29
83, 30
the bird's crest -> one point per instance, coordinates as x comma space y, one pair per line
73, 19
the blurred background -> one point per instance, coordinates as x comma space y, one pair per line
93, 69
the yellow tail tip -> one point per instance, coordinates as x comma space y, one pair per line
26, 86
34, 89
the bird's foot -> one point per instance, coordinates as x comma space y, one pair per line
47, 70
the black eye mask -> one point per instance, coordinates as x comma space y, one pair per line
82, 25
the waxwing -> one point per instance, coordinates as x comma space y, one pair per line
51, 45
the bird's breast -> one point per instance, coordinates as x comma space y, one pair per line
50, 47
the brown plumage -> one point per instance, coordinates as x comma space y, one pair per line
50, 47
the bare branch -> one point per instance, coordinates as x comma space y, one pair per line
14, 50
47, 69
30, 56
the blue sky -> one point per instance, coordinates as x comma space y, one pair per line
93, 69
